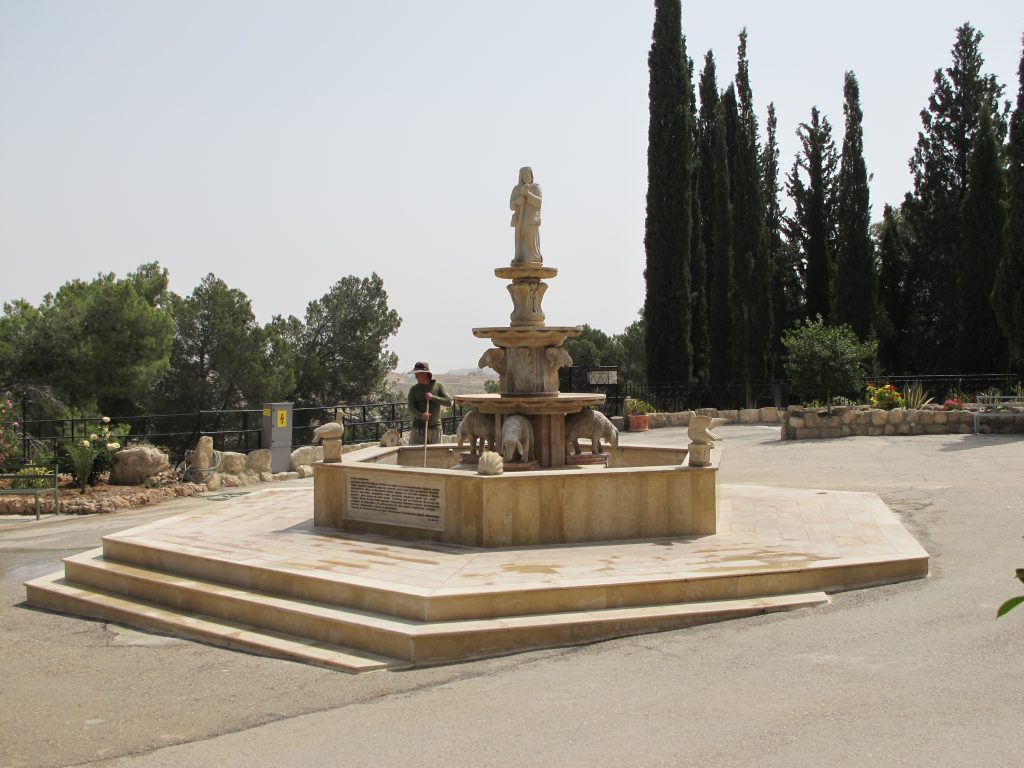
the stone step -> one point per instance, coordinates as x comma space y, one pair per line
132, 595
408, 601
53, 592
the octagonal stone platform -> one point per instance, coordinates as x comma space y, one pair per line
255, 574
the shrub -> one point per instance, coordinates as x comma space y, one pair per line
823, 360
8, 431
915, 397
92, 456
637, 407
82, 454
29, 477
885, 397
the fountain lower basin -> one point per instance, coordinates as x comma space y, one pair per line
645, 492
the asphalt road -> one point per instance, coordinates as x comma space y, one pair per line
913, 674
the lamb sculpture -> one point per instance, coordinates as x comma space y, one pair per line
478, 428
592, 424
517, 439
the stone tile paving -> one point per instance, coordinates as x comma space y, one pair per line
760, 528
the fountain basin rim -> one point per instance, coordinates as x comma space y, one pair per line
528, 271
511, 403
529, 336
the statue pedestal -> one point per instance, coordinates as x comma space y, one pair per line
699, 454
527, 293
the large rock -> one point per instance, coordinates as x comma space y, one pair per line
232, 463
750, 416
258, 461
307, 454
202, 456
133, 466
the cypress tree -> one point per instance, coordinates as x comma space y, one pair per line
751, 264
667, 232
982, 346
933, 211
1008, 293
811, 228
729, 354
856, 290
894, 291
700, 329
784, 277
716, 221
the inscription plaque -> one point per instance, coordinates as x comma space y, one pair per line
417, 505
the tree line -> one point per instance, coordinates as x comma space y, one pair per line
938, 282
129, 346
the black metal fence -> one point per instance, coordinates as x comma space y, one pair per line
970, 386
231, 430
669, 397
242, 430
365, 422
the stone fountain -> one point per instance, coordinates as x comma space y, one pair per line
548, 493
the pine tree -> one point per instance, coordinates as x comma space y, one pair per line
811, 228
933, 211
716, 221
856, 292
667, 234
1008, 293
983, 349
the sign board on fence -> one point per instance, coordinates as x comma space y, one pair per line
603, 377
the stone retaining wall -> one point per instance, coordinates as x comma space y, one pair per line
682, 418
816, 423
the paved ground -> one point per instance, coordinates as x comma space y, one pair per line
912, 674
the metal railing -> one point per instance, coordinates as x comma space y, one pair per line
242, 429
969, 385
231, 430
365, 422
672, 397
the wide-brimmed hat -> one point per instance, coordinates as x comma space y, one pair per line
421, 368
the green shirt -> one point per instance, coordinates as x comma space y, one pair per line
418, 401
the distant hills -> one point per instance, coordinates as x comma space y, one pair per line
462, 381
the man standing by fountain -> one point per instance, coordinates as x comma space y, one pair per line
426, 397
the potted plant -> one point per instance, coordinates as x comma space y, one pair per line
636, 414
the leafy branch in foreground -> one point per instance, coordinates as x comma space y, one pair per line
1013, 602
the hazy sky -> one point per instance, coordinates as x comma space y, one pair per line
284, 145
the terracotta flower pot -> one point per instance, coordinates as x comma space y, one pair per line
638, 423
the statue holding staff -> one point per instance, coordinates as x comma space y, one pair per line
525, 201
